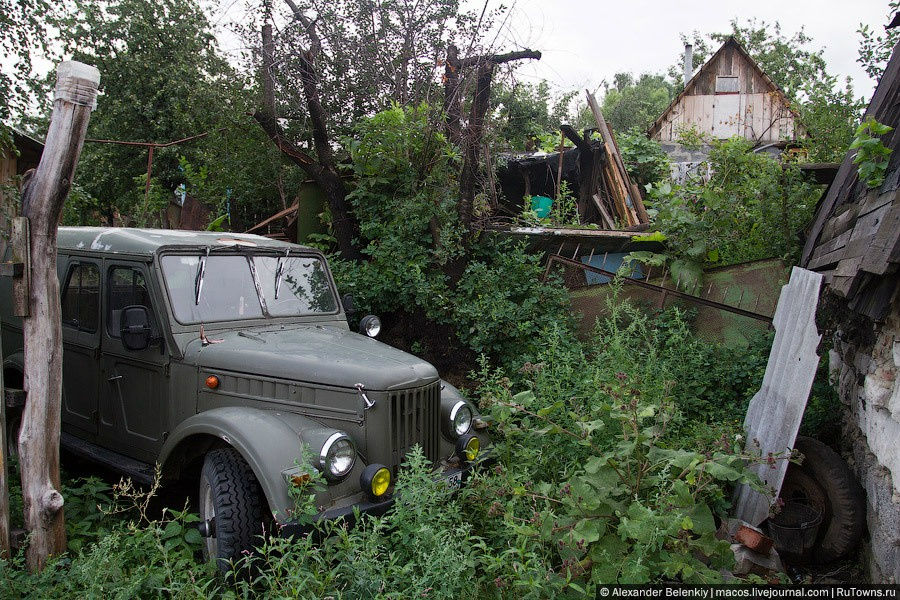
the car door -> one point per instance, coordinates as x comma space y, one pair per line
80, 302
133, 402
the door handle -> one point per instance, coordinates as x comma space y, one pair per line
114, 378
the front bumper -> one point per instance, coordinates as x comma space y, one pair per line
377, 508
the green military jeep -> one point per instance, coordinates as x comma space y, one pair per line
220, 357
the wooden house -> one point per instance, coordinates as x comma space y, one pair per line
729, 96
854, 241
16, 163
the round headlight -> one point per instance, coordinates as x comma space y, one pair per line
337, 456
370, 325
461, 418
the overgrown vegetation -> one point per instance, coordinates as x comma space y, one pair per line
614, 458
485, 296
751, 207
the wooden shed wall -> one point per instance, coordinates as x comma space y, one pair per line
762, 117
758, 112
7, 167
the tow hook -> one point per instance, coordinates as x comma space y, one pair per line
207, 528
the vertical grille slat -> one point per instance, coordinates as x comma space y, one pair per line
414, 418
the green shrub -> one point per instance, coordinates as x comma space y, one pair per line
644, 158
593, 478
752, 207
488, 294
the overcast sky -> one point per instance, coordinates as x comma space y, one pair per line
584, 42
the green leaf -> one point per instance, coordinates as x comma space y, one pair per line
172, 529
701, 519
192, 536
588, 530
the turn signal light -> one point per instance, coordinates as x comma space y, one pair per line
300, 480
212, 382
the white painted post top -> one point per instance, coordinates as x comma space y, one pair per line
77, 83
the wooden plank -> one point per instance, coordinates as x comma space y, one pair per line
638, 214
874, 200
879, 257
864, 232
636, 208
841, 285
21, 253
848, 267
832, 245
283, 213
827, 259
841, 223
774, 415
604, 214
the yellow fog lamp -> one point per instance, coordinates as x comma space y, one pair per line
467, 447
375, 480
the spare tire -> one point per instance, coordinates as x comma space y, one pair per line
824, 480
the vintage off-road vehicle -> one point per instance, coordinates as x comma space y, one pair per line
220, 356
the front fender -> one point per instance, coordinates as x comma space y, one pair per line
270, 441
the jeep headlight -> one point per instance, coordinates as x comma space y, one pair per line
460, 418
337, 455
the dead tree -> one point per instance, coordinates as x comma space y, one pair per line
42, 202
323, 168
470, 137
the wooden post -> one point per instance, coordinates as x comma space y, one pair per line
42, 202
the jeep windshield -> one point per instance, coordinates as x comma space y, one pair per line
240, 287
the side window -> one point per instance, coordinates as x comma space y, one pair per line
81, 297
127, 287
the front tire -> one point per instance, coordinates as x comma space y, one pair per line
231, 505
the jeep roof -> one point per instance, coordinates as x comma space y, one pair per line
120, 240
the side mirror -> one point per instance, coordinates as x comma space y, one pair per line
134, 327
349, 303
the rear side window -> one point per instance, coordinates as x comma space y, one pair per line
127, 287
81, 297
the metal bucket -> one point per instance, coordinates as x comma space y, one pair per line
795, 528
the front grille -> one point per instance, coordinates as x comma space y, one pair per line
415, 419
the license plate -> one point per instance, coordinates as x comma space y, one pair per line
454, 480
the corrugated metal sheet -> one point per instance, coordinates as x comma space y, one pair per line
776, 410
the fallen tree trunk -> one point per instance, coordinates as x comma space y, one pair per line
42, 202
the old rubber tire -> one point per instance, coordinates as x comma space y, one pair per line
825, 481
230, 494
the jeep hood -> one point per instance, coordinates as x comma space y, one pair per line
315, 354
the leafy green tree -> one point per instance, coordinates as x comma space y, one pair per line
523, 111
636, 102
164, 80
875, 48
24, 32
644, 158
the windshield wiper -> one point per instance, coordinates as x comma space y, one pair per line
198, 282
279, 271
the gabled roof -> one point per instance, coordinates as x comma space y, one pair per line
729, 43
